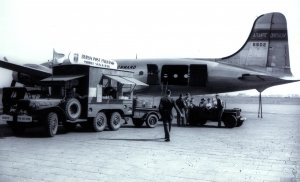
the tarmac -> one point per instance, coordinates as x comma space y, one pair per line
264, 150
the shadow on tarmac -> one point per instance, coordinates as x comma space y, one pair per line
31, 132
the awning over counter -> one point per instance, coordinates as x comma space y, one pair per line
126, 80
63, 78
137, 82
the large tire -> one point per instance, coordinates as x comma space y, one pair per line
115, 121
51, 124
230, 121
137, 122
72, 109
99, 122
152, 120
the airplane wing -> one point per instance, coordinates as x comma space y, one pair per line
30, 69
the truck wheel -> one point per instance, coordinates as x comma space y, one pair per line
51, 124
99, 122
72, 108
137, 122
152, 120
115, 121
230, 121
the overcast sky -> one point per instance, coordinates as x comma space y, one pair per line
30, 29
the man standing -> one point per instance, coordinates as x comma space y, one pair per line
181, 106
220, 109
202, 104
187, 109
165, 108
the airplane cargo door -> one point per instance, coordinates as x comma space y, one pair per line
152, 77
198, 75
174, 75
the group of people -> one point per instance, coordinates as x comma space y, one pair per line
210, 103
182, 107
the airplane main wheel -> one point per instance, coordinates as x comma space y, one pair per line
99, 122
115, 121
51, 124
230, 121
152, 120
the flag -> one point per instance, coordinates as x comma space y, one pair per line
57, 56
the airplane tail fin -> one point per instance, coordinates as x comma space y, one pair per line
266, 49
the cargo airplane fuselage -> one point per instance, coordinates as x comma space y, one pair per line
262, 62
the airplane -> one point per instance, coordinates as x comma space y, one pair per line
262, 62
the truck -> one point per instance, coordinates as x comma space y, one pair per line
75, 94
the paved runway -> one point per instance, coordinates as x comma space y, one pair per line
265, 149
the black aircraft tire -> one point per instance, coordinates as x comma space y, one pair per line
152, 120
99, 122
137, 122
72, 109
115, 121
51, 124
230, 121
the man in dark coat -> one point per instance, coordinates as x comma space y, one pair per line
187, 101
165, 108
181, 106
220, 110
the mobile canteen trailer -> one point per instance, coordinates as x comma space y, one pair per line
91, 96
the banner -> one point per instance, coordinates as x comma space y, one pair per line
84, 59
77, 58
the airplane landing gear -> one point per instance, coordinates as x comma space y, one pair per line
259, 113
